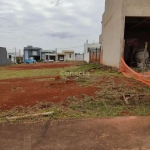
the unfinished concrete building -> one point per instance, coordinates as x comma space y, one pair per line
125, 29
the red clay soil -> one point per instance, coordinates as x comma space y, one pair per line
40, 66
27, 92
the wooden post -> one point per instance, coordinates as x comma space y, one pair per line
144, 55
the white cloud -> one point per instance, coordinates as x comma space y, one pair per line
49, 23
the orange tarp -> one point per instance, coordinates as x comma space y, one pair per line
128, 72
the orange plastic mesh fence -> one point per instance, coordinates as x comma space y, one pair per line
128, 72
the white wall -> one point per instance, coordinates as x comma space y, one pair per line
112, 33
136, 8
86, 54
79, 57
86, 57
66, 57
89, 45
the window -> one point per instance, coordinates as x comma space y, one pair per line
34, 53
69, 55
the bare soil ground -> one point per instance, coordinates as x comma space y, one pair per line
30, 91
125, 133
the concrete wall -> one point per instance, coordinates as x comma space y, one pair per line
3, 57
66, 57
79, 57
136, 8
112, 33
86, 52
87, 57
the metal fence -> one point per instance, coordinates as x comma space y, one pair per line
94, 55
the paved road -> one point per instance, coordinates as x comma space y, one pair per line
124, 133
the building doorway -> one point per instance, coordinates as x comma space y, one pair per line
49, 57
61, 58
137, 32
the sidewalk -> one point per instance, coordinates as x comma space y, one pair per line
122, 133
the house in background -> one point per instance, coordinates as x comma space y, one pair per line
60, 56
125, 28
3, 57
88, 47
48, 55
37, 54
66, 55
79, 57
31, 52
15, 56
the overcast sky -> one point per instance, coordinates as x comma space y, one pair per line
50, 24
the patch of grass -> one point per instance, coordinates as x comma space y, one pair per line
9, 74
86, 107
83, 68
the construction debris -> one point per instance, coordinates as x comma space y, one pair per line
127, 97
27, 116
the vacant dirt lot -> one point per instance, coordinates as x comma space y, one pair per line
29, 91
126, 133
